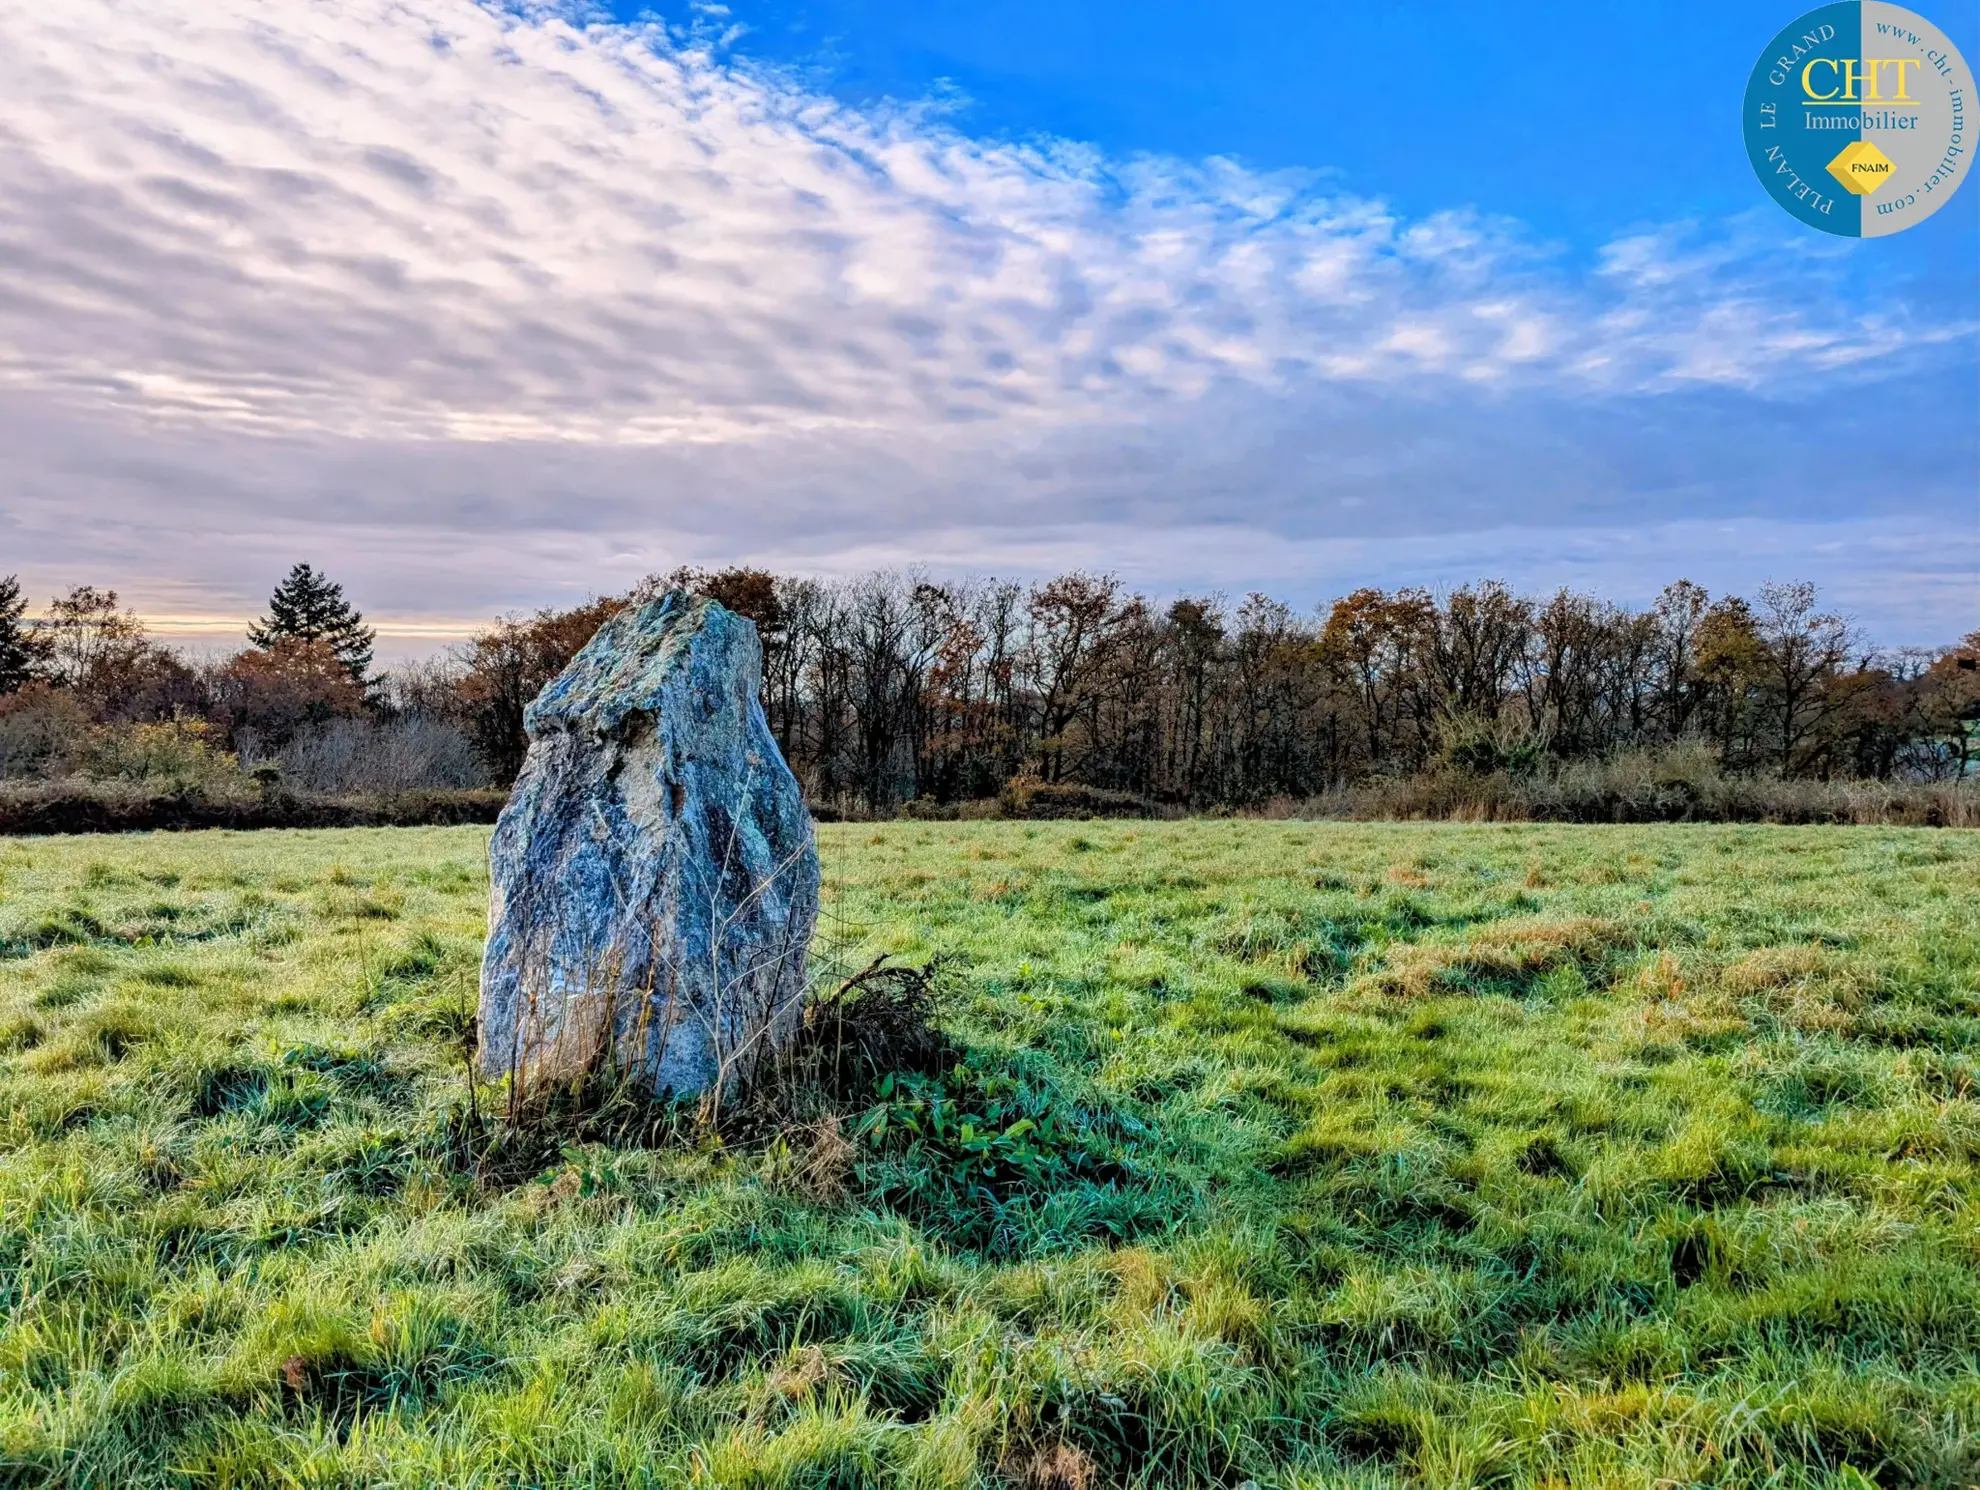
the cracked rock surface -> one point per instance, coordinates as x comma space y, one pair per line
654, 880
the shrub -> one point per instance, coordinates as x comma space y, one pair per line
179, 754
1029, 797
1678, 783
39, 727
76, 805
1479, 747
360, 755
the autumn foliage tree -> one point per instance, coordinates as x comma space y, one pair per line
1939, 735
271, 693
507, 665
93, 642
97, 650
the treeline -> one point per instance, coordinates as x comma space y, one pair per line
86, 693
891, 689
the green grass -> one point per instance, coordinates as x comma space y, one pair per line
1357, 1156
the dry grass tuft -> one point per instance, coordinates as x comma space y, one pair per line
1812, 989
1675, 1008
1515, 953
1057, 1466
800, 1373
1143, 1279
1662, 977
823, 1160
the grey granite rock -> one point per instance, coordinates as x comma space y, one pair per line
654, 876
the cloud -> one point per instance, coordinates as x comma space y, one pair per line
494, 302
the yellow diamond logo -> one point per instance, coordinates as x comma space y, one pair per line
1861, 167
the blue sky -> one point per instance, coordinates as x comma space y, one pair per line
483, 308
1576, 119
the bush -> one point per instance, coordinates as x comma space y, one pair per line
415, 753
1482, 747
39, 728
178, 755
1679, 783
1028, 797
79, 805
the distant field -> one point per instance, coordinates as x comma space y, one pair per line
1357, 1156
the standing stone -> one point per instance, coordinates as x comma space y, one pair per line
654, 878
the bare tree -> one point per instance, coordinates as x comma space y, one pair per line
1807, 652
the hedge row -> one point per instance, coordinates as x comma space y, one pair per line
110, 807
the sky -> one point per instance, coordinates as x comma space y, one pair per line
481, 308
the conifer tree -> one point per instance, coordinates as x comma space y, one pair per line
23, 649
311, 607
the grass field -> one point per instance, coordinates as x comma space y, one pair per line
1355, 1156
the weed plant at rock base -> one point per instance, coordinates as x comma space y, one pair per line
978, 1160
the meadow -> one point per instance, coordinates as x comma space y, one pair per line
1270, 1153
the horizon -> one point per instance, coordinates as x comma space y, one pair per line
209, 638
